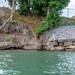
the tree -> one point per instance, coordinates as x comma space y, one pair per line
42, 7
53, 18
39, 7
24, 7
12, 4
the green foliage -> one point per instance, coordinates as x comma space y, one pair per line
43, 27
39, 7
13, 22
24, 7
52, 21
10, 2
10, 39
53, 18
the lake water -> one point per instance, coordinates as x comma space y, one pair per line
37, 63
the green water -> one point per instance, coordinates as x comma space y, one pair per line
37, 63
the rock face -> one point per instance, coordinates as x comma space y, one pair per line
23, 38
10, 45
64, 45
20, 36
12, 28
29, 40
62, 38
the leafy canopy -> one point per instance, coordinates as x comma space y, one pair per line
42, 7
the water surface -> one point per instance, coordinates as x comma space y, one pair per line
37, 63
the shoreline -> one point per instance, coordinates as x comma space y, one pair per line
21, 35
25, 40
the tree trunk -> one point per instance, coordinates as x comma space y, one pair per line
14, 5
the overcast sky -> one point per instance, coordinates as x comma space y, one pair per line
69, 13
71, 4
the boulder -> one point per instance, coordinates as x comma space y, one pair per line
59, 48
70, 47
67, 43
61, 43
53, 43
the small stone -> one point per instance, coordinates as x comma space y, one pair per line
54, 43
52, 49
61, 43
70, 47
59, 48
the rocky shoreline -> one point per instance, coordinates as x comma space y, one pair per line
61, 45
61, 39
21, 37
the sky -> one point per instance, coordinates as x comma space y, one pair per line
71, 12
3, 3
71, 4
65, 11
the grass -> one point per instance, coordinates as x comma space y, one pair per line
31, 21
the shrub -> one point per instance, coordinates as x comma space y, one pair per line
52, 21
43, 27
13, 22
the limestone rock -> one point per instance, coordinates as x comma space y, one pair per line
61, 43
52, 38
68, 43
70, 47
54, 43
59, 48
10, 45
29, 41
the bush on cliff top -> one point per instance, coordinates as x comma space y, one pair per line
53, 18
41, 7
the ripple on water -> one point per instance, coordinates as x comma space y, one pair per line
66, 63
50, 72
8, 72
